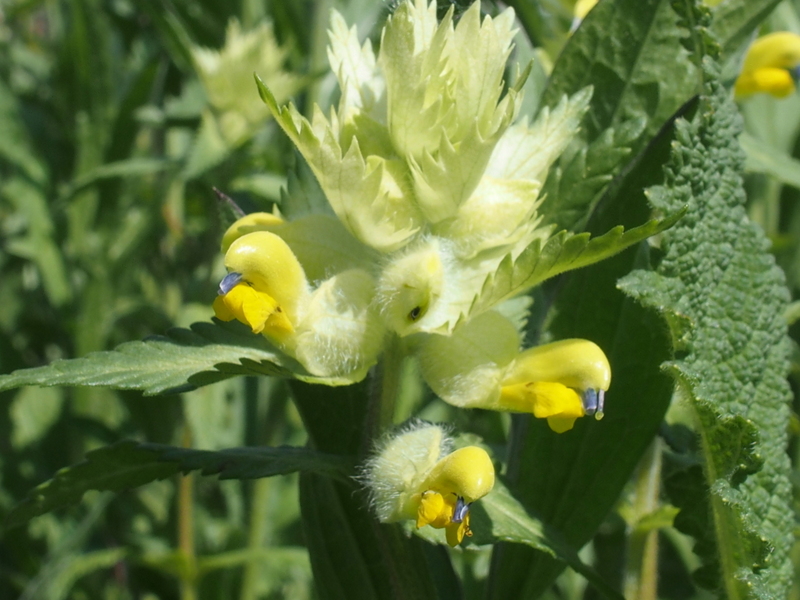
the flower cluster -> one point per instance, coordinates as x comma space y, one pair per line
434, 184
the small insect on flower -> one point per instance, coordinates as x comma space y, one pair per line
415, 476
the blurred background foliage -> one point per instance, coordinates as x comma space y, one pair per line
113, 132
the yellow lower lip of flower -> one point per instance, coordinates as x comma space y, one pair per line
256, 309
549, 400
437, 510
769, 80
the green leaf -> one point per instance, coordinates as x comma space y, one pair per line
719, 277
735, 20
129, 464
113, 468
183, 359
131, 167
38, 245
70, 569
631, 52
254, 462
562, 252
557, 475
765, 158
577, 181
500, 517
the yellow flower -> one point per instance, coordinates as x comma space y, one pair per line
414, 477
480, 366
454, 483
559, 382
770, 66
265, 286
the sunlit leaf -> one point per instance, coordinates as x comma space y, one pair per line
183, 359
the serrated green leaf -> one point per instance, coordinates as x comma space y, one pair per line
631, 52
575, 184
718, 276
114, 468
183, 359
129, 464
562, 252
254, 462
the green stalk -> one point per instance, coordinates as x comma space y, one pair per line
186, 529
267, 424
641, 562
384, 391
255, 538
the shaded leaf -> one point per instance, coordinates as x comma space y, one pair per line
500, 517
575, 184
735, 20
129, 464
573, 480
631, 52
353, 556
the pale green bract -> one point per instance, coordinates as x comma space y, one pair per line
423, 161
233, 116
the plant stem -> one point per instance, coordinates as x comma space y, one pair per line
385, 390
186, 528
641, 564
266, 422
255, 538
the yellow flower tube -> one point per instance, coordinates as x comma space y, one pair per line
559, 382
480, 366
